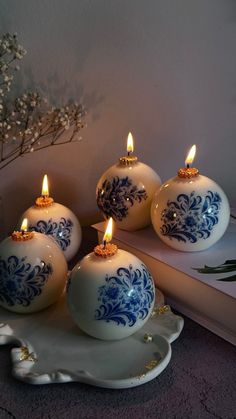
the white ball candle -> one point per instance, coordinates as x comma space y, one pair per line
190, 212
110, 292
33, 271
125, 191
56, 220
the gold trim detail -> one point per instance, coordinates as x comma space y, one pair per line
147, 338
105, 251
26, 356
20, 236
160, 310
188, 172
128, 160
152, 364
44, 201
148, 367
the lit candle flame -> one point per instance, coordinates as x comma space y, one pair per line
130, 143
190, 156
108, 233
24, 225
45, 189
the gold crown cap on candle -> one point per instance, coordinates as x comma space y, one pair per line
106, 249
44, 200
23, 235
189, 172
129, 160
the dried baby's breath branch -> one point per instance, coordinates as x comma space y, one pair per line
28, 123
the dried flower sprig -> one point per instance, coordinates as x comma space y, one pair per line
28, 123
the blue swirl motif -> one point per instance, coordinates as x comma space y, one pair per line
61, 231
192, 217
20, 283
117, 195
126, 297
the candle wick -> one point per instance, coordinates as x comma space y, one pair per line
128, 153
188, 166
104, 244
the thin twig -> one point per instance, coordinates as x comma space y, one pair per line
36, 149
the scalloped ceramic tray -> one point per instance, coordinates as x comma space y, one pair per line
50, 348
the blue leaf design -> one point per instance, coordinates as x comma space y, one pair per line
117, 195
126, 297
20, 283
61, 231
192, 217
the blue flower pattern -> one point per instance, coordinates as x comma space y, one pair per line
20, 282
126, 297
191, 217
61, 231
117, 195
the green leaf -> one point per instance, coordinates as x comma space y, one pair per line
228, 266
231, 278
217, 270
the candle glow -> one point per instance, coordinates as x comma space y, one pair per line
106, 249
190, 156
45, 189
24, 225
130, 143
108, 233
23, 234
44, 200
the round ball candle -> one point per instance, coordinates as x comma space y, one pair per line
125, 191
190, 212
110, 292
33, 271
51, 218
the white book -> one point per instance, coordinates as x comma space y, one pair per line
208, 298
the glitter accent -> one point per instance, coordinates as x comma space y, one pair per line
139, 377
160, 310
152, 364
26, 356
188, 172
105, 251
147, 338
44, 201
21, 236
148, 367
128, 160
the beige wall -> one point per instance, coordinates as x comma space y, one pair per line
164, 69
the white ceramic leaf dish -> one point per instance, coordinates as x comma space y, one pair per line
49, 348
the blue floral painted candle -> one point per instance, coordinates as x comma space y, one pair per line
125, 191
33, 271
110, 292
56, 220
190, 212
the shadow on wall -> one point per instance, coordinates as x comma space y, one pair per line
57, 88
59, 92
231, 18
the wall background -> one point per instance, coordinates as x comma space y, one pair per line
164, 69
